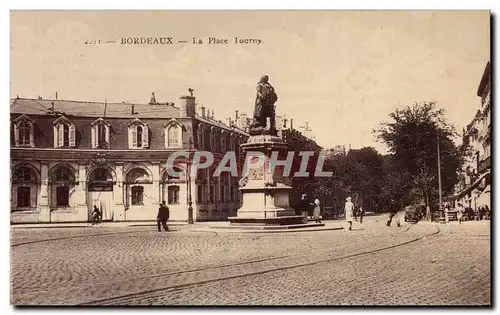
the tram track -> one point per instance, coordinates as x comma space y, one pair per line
110, 233
72, 237
129, 297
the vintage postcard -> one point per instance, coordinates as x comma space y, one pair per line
276, 158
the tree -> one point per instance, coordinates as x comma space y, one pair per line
412, 134
359, 174
297, 142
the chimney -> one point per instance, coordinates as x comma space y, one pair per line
132, 108
229, 121
52, 108
56, 95
188, 106
203, 112
291, 123
236, 115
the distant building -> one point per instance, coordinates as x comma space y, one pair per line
473, 190
336, 150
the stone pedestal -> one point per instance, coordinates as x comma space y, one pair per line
265, 199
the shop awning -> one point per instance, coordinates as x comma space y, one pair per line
471, 187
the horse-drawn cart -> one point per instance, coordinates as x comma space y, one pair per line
413, 213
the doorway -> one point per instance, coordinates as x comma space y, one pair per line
100, 193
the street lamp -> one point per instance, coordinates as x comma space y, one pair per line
189, 198
442, 214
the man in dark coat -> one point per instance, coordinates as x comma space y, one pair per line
361, 213
304, 207
96, 215
393, 212
163, 216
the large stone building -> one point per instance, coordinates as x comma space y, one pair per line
67, 156
473, 189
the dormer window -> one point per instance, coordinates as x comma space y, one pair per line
100, 134
173, 134
64, 133
23, 132
138, 135
173, 137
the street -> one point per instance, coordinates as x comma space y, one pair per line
416, 264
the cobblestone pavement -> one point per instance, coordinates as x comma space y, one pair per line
373, 264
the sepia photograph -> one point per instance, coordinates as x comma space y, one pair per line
250, 158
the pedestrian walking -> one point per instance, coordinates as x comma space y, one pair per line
162, 217
361, 214
393, 213
460, 213
348, 210
96, 215
447, 213
317, 211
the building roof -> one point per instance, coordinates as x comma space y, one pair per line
92, 109
209, 121
484, 80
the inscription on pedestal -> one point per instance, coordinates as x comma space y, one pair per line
256, 174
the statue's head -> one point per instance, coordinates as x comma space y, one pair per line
264, 79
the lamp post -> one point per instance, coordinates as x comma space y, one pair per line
439, 172
189, 198
442, 214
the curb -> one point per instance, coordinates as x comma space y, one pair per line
298, 230
67, 226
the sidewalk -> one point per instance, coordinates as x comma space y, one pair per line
223, 227
88, 224
329, 224
197, 226
470, 222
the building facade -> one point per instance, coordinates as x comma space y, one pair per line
69, 156
473, 189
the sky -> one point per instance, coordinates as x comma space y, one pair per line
341, 71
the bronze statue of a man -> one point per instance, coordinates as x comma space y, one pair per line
264, 108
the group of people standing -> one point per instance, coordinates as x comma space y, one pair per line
350, 210
305, 205
463, 214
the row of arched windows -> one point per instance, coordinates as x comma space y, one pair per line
62, 181
219, 140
